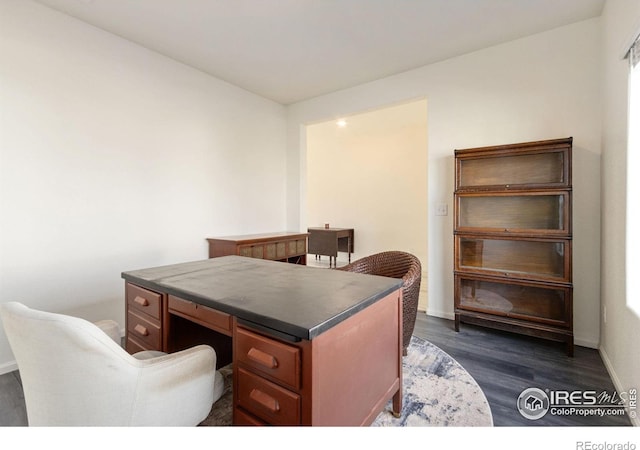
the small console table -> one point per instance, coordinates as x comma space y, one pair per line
285, 246
330, 241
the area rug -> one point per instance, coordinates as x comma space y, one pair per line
437, 391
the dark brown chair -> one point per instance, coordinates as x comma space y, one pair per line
395, 264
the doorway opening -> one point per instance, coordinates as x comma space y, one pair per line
368, 171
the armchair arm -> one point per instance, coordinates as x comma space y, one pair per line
175, 389
111, 328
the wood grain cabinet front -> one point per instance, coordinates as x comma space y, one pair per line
540, 164
273, 359
143, 319
535, 302
532, 259
267, 400
203, 315
244, 419
537, 213
267, 379
285, 246
143, 332
144, 301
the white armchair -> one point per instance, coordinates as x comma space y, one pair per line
74, 374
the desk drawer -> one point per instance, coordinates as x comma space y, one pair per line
242, 418
270, 402
143, 300
144, 331
133, 347
203, 315
270, 357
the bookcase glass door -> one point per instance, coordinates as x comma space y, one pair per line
549, 168
537, 213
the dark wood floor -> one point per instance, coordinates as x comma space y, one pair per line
12, 408
503, 364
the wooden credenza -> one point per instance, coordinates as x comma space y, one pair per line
284, 246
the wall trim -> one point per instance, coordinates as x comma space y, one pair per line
8, 367
616, 381
589, 343
440, 314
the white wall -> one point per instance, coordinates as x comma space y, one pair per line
371, 175
540, 87
620, 345
115, 158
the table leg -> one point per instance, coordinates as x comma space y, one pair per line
397, 404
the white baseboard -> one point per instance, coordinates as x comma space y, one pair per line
616, 381
589, 343
8, 367
440, 314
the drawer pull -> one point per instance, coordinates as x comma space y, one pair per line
262, 358
141, 330
141, 301
265, 400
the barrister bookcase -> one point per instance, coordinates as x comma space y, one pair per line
512, 239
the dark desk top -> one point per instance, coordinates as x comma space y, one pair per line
297, 300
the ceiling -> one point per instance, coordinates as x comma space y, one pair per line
292, 50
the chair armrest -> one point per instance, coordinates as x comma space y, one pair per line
111, 329
175, 389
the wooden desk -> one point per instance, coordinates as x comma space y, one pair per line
309, 346
284, 246
330, 241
